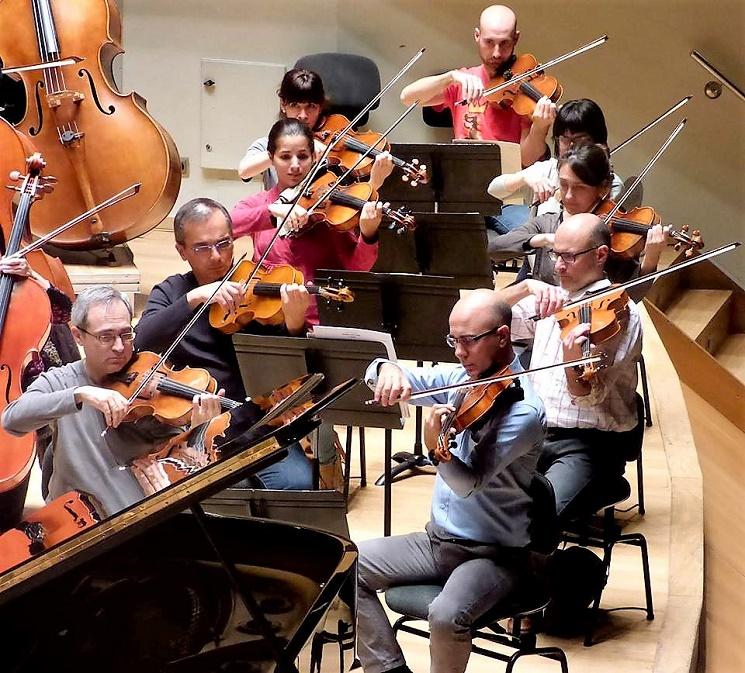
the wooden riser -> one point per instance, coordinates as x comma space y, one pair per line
703, 316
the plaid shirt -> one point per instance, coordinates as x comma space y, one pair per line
611, 403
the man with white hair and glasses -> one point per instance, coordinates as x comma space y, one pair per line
75, 399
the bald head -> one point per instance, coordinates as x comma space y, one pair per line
588, 229
498, 18
482, 308
588, 238
496, 37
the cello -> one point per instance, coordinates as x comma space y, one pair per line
25, 321
81, 122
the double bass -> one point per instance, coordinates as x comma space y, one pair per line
95, 139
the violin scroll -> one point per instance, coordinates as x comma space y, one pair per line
687, 242
414, 173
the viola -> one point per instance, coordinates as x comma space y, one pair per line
96, 139
56, 522
347, 151
25, 319
523, 95
339, 207
195, 448
629, 230
606, 315
175, 390
261, 299
181, 456
15, 148
471, 405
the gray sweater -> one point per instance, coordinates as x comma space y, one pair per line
83, 460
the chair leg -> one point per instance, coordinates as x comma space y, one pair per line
594, 612
555, 653
347, 465
363, 459
640, 483
645, 392
638, 540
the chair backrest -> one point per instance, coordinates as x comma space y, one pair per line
636, 197
544, 526
350, 81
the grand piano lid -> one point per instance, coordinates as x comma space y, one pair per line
255, 453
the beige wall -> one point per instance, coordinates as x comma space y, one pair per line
642, 70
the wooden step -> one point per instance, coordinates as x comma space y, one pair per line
703, 315
731, 354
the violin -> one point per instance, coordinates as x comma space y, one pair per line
96, 139
606, 315
339, 207
261, 299
517, 73
346, 152
175, 390
523, 95
629, 230
15, 148
471, 405
56, 522
25, 321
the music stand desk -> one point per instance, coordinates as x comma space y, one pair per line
267, 362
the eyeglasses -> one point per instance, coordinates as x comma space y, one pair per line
578, 139
206, 248
468, 340
109, 339
568, 257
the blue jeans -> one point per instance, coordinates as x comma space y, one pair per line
294, 473
511, 217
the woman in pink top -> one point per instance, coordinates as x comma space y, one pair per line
290, 146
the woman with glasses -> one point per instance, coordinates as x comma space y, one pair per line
585, 179
578, 122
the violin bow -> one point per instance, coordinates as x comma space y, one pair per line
653, 123
70, 60
540, 67
624, 197
502, 377
313, 172
167, 353
652, 276
111, 201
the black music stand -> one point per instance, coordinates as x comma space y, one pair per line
459, 174
267, 362
443, 244
415, 310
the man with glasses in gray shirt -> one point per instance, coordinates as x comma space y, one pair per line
92, 446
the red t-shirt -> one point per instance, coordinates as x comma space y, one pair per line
483, 121
318, 248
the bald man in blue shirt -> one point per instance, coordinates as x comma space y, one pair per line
475, 542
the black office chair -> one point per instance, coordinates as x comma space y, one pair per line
350, 81
412, 601
587, 532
